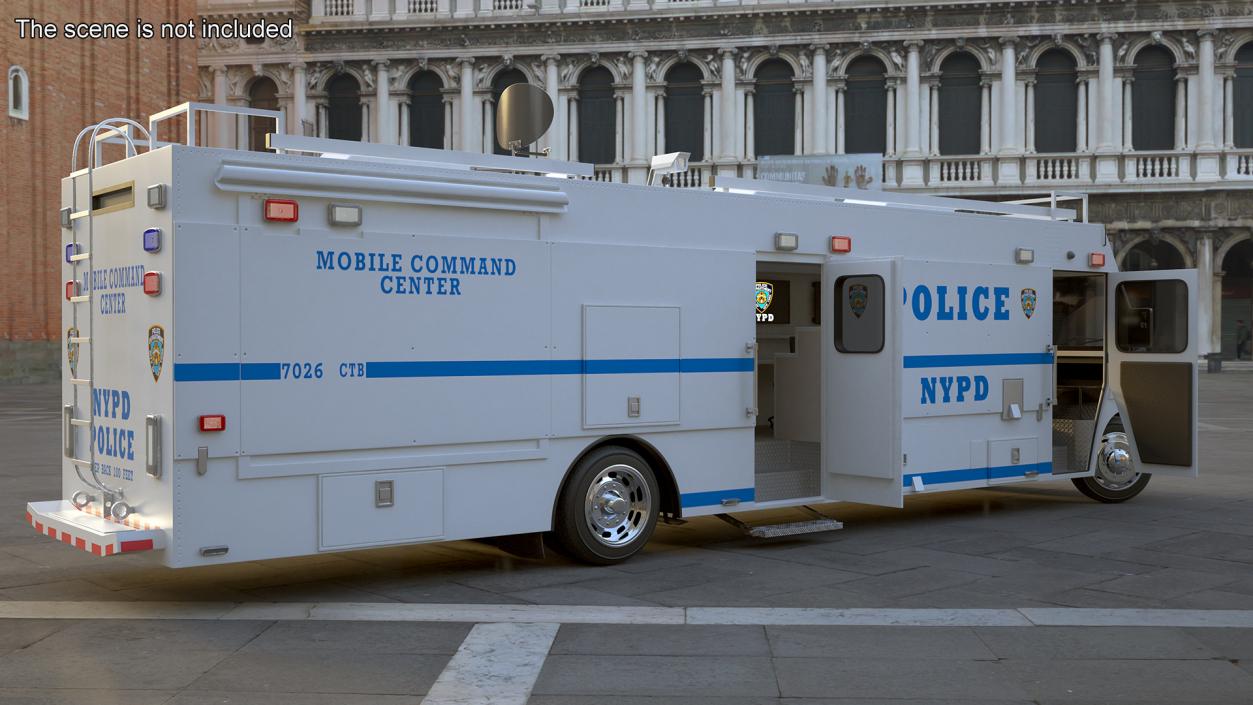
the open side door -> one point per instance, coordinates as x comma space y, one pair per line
1152, 343
861, 378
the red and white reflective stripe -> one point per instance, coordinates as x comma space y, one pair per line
96, 549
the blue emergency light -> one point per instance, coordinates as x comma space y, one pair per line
152, 240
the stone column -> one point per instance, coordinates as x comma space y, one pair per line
619, 131
1181, 112
820, 99
1205, 291
1106, 92
726, 125
405, 138
985, 121
750, 136
1229, 120
840, 122
556, 137
221, 123
574, 126
639, 108
1128, 141
1029, 132
1081, 116
798, 131
911, 166
299, 101
660, 132
890, 129
382, 117
1207, 146
469, 108
932, 110
448, 121
1009, 96
707, 97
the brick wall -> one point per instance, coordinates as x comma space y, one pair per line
73, 83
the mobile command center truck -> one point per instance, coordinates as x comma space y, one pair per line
279, 354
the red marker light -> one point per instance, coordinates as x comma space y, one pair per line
281, 210
212, 423
1096, 259
841, 244
152, 283
71, 289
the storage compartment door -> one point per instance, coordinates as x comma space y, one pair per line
861, 378
1152, 346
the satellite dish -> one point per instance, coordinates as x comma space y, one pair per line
524, 114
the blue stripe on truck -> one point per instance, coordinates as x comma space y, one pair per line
977, 360
249, 371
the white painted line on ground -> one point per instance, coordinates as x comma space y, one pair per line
497, 664
591, 614
561, 614
1134, 617
858, 616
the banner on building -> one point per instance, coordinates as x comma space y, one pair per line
855, 171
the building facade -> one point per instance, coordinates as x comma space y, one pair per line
1145, 105
54, 88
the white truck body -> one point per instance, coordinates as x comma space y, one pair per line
434, 372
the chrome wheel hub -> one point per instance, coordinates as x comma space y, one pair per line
1115, 470
618, 505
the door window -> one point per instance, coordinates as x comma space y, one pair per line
859, 307
1152, 316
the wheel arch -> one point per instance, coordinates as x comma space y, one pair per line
670, 502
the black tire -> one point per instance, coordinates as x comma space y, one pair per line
618, 474
1107, 490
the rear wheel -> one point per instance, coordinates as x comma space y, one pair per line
608, 507
1117, 478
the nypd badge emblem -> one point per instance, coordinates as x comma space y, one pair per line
765, 295
1028, 301
156, 350
71, 350
858, 298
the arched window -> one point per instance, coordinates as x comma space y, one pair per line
1056, 102
1237, 304
598, 116
263, 95
961, 99
1152, 254
19, 93
774, 109
343, 108
426, 110
865, 107
1242, 104
685, 111
503, 80
1153, 100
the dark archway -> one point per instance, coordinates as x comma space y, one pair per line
685, 111
426, 110
263, 95
343, 108
598, 116
1153, 100
865, 107
774, 109
1056, 102
1242, 99
1237, 308
961, 105
1152, 254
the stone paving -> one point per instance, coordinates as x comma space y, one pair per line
1183, 544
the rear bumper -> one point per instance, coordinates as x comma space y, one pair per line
61, 521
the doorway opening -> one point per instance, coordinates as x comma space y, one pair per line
789, 374
1079, 373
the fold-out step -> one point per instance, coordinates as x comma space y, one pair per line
61, 521
818, 523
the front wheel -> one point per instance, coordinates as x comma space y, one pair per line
608, 507
1117, 478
